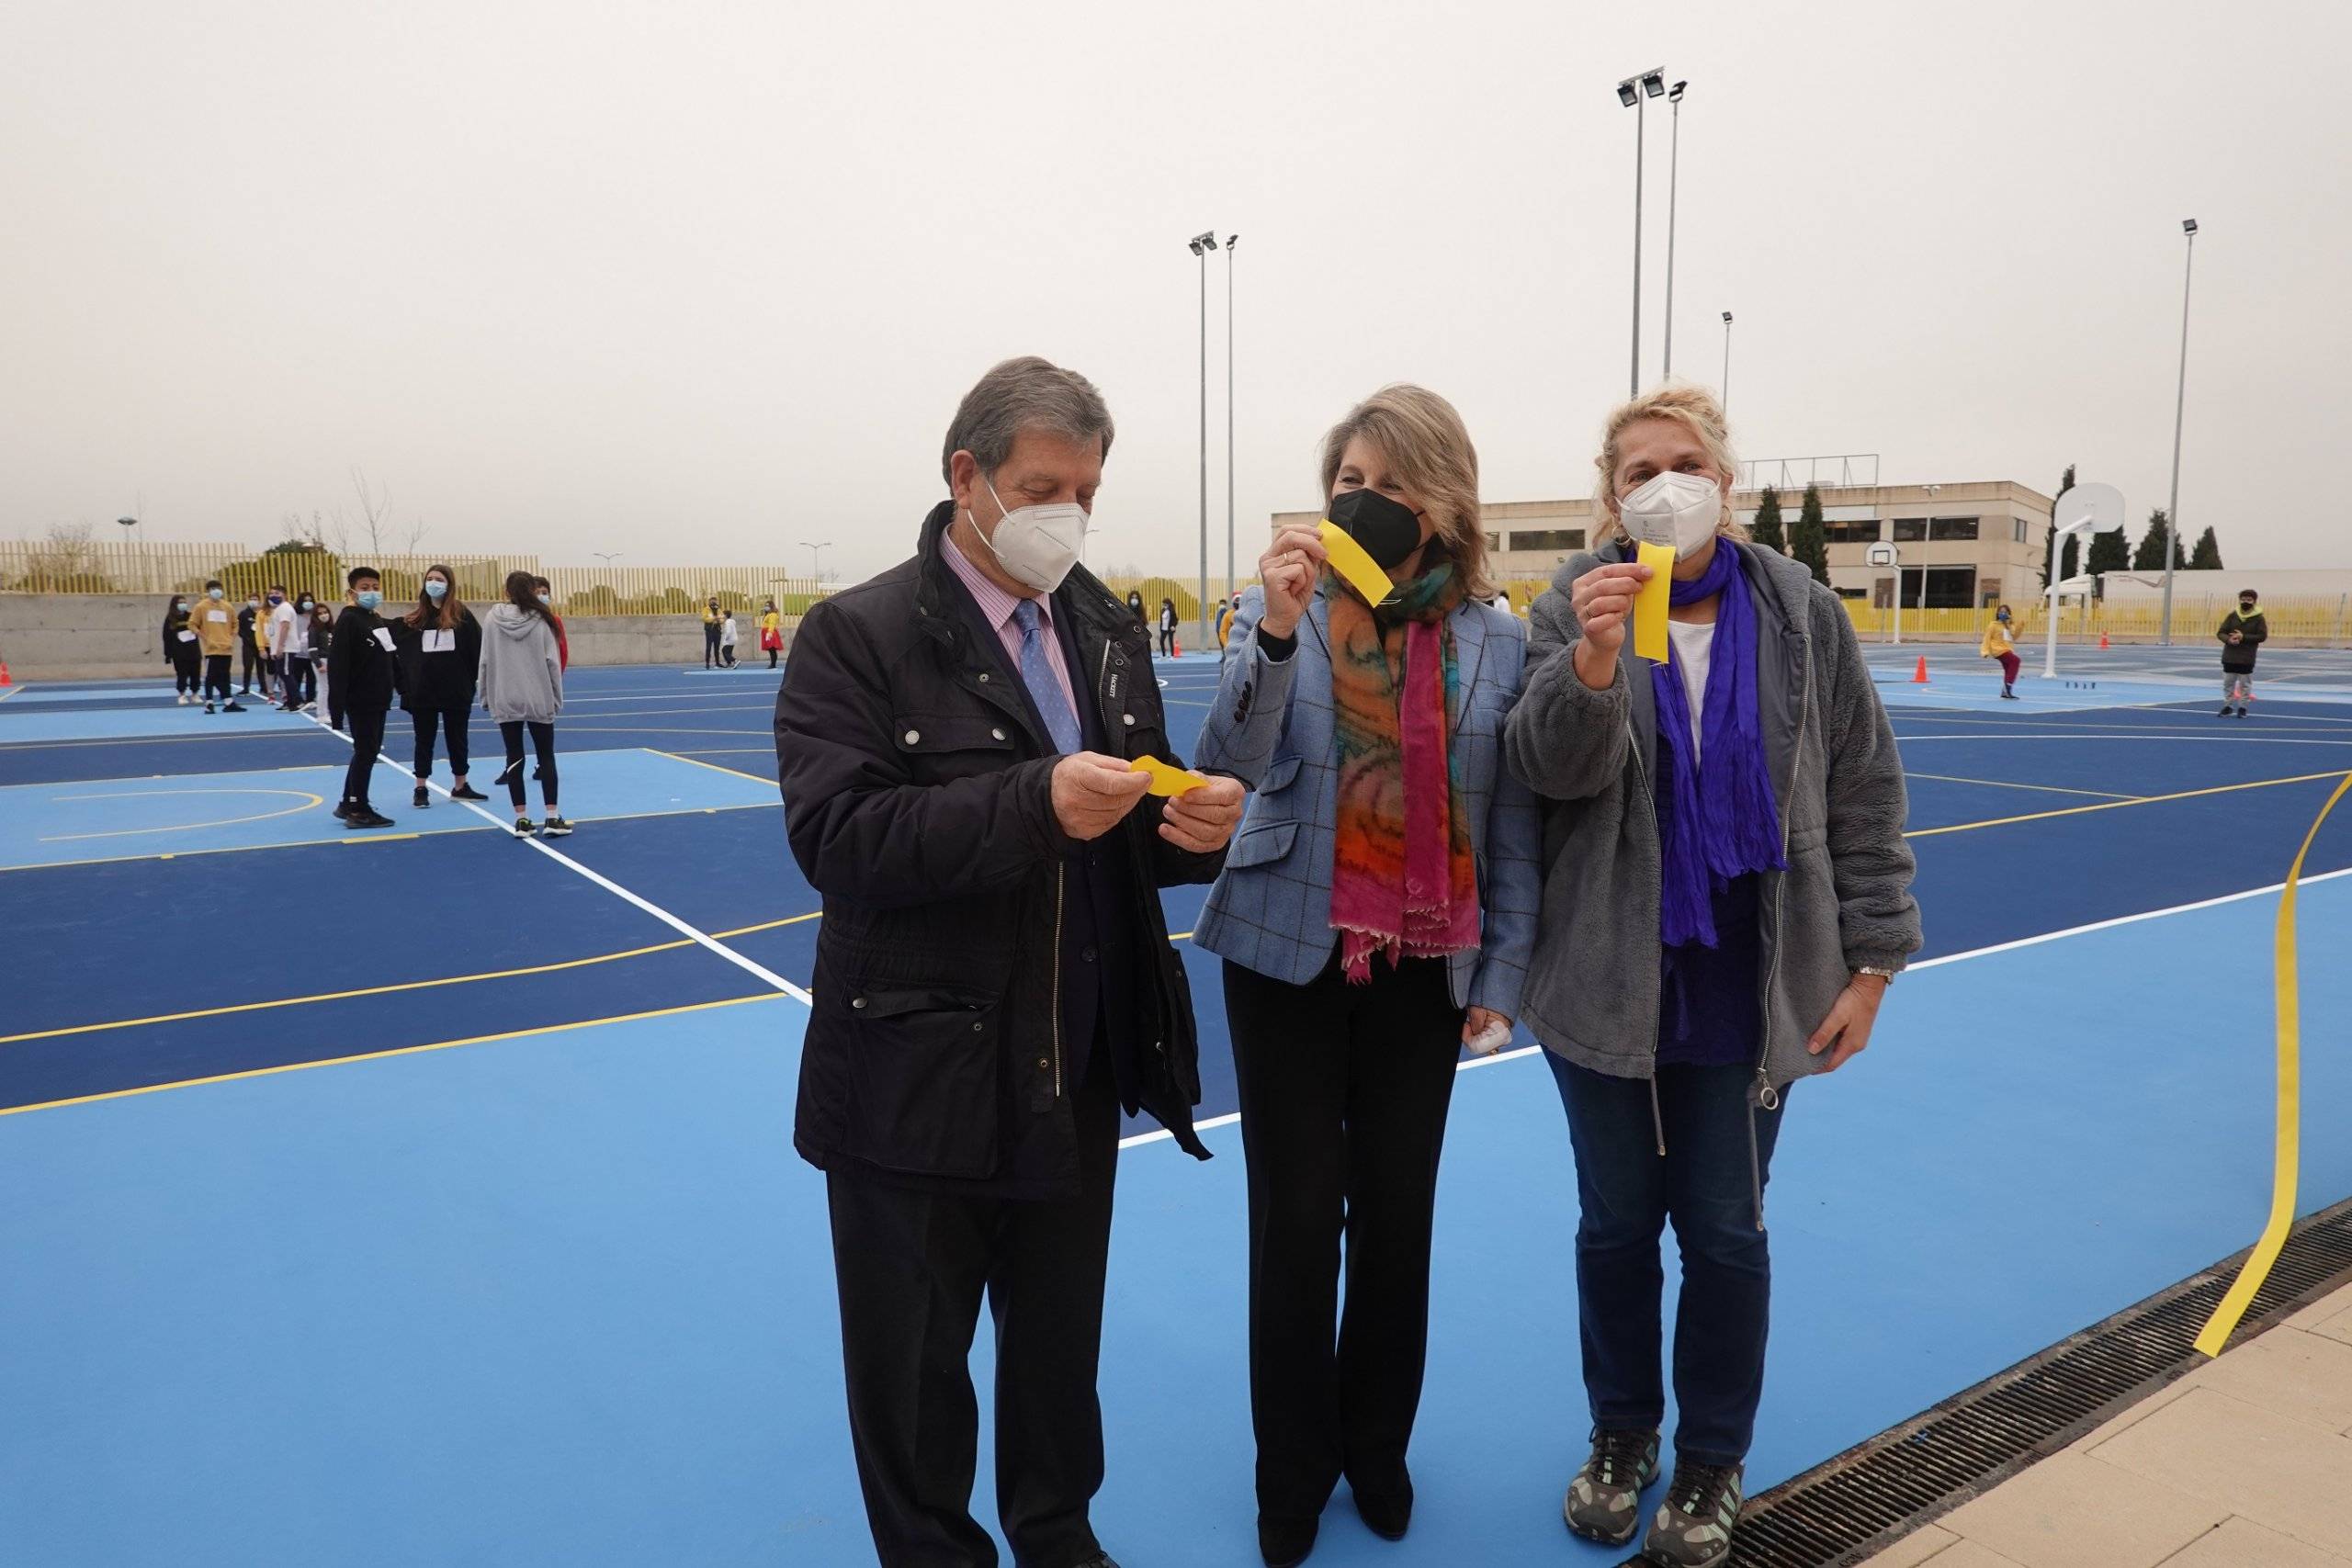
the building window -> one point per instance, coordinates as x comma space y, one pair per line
1988, 591
1856, 531
1495, 541
2021, 528
1547, 539
1952, 530
1910, 530
1943, 588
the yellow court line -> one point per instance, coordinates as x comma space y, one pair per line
373, 839
308, 799
2286, 1138
395, 1051
2011, 783
714, 767
2116, 805
390, 989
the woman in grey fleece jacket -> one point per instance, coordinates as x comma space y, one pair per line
1726, 898
521, 685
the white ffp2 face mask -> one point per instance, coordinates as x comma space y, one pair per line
1674, 508
1036, 545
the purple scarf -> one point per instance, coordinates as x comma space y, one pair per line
1718, 820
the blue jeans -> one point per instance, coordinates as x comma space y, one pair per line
1627, 1193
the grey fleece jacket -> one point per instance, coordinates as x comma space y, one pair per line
1843, 903
522, 677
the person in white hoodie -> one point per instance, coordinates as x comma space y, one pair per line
521, 688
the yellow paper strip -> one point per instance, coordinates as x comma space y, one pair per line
1165, 780
2287, 1155
1356, 567
1650, 604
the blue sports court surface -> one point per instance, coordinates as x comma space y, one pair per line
427, 1197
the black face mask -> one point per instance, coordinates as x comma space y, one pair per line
2245, 609
1388, 530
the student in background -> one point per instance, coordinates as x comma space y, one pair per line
1135, 607
216, 637
250, 656
265, 633
289, 640
321, 648
521, 685
440, 648
1168, 629
363, 668
2243, 633
727, 640
180, 651
2001, 644
771, 632
710, 635
562, 644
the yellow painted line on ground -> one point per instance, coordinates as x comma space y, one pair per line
2286, 1140
395, 1051
390, 989
307, 799
373, 838
2011, 783
2116, 805
714, 767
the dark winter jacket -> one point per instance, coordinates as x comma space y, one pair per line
918, 793
443, 679
361, 672
2237, 658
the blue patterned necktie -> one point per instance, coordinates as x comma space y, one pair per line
1037, 674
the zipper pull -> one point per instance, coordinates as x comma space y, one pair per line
1764, 1096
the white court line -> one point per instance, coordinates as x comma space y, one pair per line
607, 883
1526, 1051
2236, 738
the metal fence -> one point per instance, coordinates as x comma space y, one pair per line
116, 567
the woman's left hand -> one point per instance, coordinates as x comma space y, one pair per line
1476, 1021
1199, 821
1846, 1032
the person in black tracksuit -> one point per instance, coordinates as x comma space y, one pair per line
363, 669
440, 649
181, 653
2244, 631
252, 625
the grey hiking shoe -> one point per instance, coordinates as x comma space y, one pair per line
1694, 1525
1604, 1502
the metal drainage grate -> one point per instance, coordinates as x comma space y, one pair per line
1847, 1509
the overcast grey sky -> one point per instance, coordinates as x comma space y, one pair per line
696, 282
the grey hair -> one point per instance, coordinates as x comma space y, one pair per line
1027, 393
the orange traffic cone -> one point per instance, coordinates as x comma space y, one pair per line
1919, 676
3, 673
1178, 644
2102, 642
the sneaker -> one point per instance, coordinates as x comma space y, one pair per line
342, 810
1694, 1525
232, 705
422, 798
2227, 710
2009, 698
310, 707
365, 815
557, 828
524, 828
1604, 1502
467, 792
2242, 713
208, 705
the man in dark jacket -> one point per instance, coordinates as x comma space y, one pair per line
2244, 631
362, 672
993, 977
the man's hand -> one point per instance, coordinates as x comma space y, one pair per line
1604, 600
1199, 821
1094, 794
1846, 1032
1290, 570
1476, 1022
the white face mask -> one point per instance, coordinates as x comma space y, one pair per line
1675, 509
1036, 545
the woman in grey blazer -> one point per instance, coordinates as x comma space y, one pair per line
1726, 896
1374, 914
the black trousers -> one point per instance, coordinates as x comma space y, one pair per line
452, 723
366, 726
912, 1266
185, 664
250, 662
1167, 643
1344, 1091
216, 676
709, 646
543, 742
301, 680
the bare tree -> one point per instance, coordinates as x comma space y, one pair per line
384, 535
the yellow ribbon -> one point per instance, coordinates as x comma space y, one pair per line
2282, 1181
1165, 780
1354, 563
1650, 601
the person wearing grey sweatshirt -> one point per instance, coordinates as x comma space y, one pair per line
521, 688
1726, 898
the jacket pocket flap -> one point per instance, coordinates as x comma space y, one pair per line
926, 733
1281, 774
1262, 846
880, 1003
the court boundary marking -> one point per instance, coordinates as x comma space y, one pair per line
2121, 805
2012, 784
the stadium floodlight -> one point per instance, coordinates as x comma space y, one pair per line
1628, 93
1654, 81
2189, 225
1673, 95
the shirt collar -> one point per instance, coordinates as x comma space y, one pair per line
995, 604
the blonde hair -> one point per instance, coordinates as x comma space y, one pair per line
1694, 408
1428, 451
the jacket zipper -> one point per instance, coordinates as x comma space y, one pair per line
1061, 878
1642, 774
1764, 1096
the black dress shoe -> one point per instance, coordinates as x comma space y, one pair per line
1284, 1543
1389, 1514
